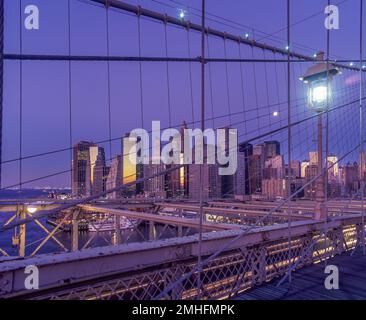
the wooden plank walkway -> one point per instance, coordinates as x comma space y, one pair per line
308, 283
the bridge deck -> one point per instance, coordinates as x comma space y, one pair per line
308, 283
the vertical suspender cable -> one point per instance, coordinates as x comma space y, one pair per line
212, 104
267, 89
242, 89
210, 80
255, 88
325, 173
227, 83
109, 81
140, 69
199, 262
140, 75
2, 82
276, 80
190, 73
289, 135
362, 154
167, 74
247, 179
20, 95
70, 90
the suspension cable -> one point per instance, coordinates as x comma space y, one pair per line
167, 75
210, 82
242, 88
289, 140
2, 83
140, 69
199, 261
227, 83
108, 79
255, 85
190, 72
70, 90
20, 94
362, 150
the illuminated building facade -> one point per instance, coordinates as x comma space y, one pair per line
114, 178
88, 169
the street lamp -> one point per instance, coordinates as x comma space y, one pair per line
31, 209
318, 78
181, 14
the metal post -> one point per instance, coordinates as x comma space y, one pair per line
22, 232
180, 231
180, 228
152, 231
320, 213
117, 230
75, 230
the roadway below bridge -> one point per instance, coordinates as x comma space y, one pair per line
162, 219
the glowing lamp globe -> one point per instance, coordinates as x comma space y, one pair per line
318, 78
31, 209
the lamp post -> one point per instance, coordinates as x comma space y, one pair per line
318, 78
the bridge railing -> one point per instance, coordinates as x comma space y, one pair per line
144, 271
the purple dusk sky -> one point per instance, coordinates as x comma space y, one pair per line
45, 109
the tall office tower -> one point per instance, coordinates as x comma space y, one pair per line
228, 181
313, 157
98, 167
258, 149
295, 169
349, 178
155, 187
242, 181
311, 172
274, 168
255, 173
88, 168
81, 183
271, 149
211, 181
256, 168
132, 167
105, 176
114, 178
333, 169
176, 184
304, 165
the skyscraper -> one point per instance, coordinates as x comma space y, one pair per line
313, 156
304, 165
333, 174
81, 186
88, 168
274, 168
271, 149
98, 169
114, 178
228, 181
132, 167
242, 181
